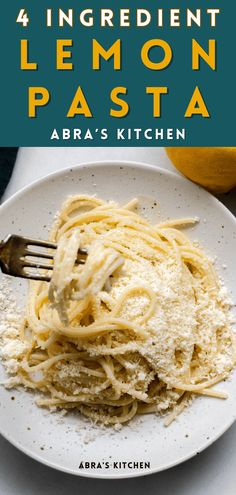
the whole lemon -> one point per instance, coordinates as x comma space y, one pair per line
212, 168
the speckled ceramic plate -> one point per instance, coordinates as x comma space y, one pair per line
70, 443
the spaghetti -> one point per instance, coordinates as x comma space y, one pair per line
142, 326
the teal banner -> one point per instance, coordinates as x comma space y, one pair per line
123, 73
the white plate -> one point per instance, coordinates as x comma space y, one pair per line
64, 443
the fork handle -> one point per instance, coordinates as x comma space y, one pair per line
1, 261
4, 259
2, 244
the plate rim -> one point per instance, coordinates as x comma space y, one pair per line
125, 164
115, 163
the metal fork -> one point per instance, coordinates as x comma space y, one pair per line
14, 253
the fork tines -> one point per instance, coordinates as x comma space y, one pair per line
29, 251
23, 257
